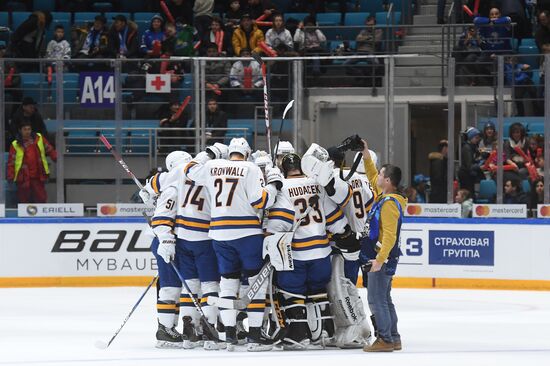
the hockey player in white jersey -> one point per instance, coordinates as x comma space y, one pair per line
356, 213
237, 197
311, 250
170, 285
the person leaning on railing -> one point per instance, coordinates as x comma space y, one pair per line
170, 118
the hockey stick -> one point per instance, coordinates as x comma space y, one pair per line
121, 161
287, 108
263, 275
259, 60
206, 325
104, 345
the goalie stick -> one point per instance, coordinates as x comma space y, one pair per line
263, 275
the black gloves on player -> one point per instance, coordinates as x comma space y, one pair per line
347, 242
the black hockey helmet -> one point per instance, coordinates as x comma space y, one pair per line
291, 162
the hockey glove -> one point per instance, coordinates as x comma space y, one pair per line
273, 176
145, 196
202, 157
167, 249
348, 244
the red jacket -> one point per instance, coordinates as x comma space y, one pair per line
32, 167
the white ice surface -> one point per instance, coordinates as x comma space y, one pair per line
59, 326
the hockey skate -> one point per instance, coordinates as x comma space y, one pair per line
231, 338
241, 332
210, 341
168, 337
256, 343
189, 334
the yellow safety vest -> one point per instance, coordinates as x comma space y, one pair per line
20, 153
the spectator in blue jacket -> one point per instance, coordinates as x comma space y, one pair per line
152, 36
518, 76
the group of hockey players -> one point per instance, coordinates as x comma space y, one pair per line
270, 252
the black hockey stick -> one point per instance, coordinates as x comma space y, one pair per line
104, 345
287, 108
259, 60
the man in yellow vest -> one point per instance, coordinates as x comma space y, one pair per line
27, 165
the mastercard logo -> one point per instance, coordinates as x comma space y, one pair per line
483, 210
108, 210
545, 211
414, 210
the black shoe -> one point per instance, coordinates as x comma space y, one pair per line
168, 337
189, 334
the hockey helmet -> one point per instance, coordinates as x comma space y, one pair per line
176, 158
284, 147
291, 162
239, 145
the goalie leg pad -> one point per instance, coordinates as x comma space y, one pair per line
229, 288
319, 316
295, 311
256, 308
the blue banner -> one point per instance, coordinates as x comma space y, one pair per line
465, 248
97, 89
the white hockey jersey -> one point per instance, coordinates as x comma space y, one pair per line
356, 210
237, 196
185, 204
310, 238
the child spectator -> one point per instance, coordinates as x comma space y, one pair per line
220, 37
58, 48
247, 36
310, 41
465, 201
27, 164
278, 37
152, 38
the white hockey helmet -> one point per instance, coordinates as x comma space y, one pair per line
262, 159
239, 145
176, 158
284, 147
361, 166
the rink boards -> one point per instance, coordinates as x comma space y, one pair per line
437, 252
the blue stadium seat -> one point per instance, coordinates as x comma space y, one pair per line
328, 19
18, 17
70, 88
44, 5
525, 186
34, 86
297, 16
356, 18
487, 191
84, 17
382, 18
144, 16
240, 123
528, 54
4, 18
528, 42
60, 18
102, 6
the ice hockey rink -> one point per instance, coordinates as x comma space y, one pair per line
59, 326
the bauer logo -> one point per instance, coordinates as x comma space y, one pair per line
466, 248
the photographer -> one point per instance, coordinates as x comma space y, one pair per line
381, 250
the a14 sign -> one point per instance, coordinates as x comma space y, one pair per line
97, 89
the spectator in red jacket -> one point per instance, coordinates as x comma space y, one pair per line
27, 165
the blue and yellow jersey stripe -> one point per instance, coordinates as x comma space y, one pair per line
191, 223
312, 242
347, 198
281, 214
260, 204
189, 166
155, 183
235, 222
334, 216
162, 220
